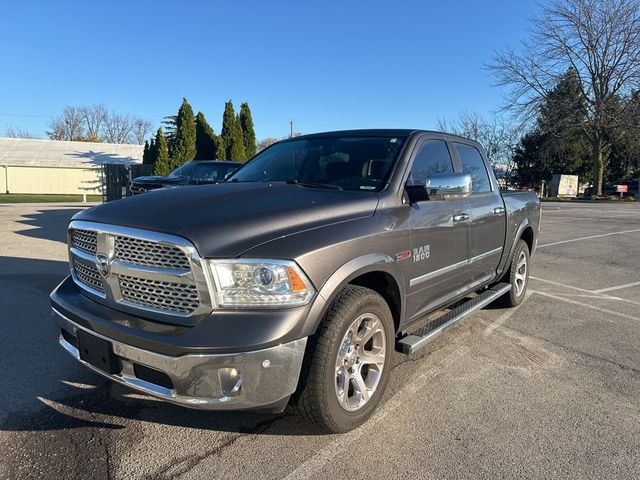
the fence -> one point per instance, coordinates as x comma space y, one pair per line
117, 179
109, 180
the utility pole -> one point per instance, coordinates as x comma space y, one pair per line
291, 129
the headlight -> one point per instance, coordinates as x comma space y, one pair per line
259, 283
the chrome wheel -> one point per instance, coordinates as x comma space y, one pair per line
521, 274
360, 361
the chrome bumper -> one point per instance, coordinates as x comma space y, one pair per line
248, 380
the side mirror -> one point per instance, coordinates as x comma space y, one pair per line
448, 186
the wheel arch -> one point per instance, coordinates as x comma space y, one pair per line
375, 271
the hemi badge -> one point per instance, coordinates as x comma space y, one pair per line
403, 255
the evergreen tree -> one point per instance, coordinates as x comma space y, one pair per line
231, 134
248, 133
146, 159
206, 140
162, 165
237, 148
184, 146
557, 143
169, 129
153, 152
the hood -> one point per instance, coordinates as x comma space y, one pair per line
227, 219
162, 180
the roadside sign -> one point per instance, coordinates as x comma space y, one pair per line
622, 188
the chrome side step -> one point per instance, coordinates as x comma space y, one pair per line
424, 335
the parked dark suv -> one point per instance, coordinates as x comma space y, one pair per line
196, 172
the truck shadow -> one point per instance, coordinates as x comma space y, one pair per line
110, 406
50, 391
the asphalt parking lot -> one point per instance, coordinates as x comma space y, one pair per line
551, 389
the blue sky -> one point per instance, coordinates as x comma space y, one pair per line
327, 65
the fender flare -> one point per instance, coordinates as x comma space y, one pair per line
506, 260
355, 267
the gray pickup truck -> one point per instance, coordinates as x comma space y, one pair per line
293, 282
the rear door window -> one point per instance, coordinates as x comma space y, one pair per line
473, 164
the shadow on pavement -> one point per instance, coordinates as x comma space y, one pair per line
49, 224
41, 376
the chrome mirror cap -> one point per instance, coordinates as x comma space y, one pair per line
448, 186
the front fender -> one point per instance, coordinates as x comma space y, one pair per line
345, 274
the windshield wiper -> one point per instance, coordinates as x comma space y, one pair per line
293, 181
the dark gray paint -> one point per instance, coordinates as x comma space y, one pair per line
335, 236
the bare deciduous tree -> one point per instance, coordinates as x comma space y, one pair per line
93, 117
17, 132
141, 129
92, 123
266, 142
600, 41
68, 126
497, 135
118, 128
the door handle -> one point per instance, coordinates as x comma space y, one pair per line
498, 210
461, 217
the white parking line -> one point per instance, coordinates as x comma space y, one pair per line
618, 287
588, 238
505, 316
591, 292
314, 465
589, 306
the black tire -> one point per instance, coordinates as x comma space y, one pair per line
317, 399
514, 277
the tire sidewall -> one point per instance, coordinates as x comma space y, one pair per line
520, 247
371, 303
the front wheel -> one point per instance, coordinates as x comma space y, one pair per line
517, 276
347, 367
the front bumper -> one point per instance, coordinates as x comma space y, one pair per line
260, 379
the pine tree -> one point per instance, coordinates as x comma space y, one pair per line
237, 146
248, 133
206, 140
226, 133
161, 166
153, 152
231, 134
146, 159
184, 147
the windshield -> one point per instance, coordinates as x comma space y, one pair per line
349, 163
183, 170
211, 173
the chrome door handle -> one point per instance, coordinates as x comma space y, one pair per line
461, 217
498, 210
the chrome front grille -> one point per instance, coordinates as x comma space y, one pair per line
88, 275
139, 271
84, 240
157, 294
142, 252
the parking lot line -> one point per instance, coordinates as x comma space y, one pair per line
506, 315
618, 287
587, 305
588, 238
589, 292
405, 396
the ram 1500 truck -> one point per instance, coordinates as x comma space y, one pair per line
294, 281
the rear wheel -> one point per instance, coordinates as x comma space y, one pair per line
517, 276
347, 367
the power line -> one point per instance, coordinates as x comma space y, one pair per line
24, 115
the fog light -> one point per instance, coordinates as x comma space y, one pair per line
230, 381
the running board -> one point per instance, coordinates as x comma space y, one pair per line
424, 335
